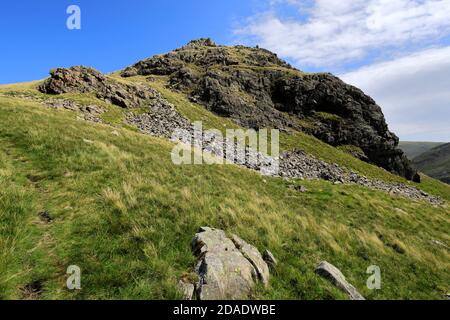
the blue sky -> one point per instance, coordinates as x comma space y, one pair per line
397, 51
113, 34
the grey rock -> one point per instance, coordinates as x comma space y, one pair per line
301, 189
162, 119
81, 79
45, 216
187, 290
330, 272
440, 244
252, 254
270, 259
225, 272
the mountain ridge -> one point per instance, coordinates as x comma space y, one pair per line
413, 149
435, 162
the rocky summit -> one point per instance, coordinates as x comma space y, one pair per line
256, 89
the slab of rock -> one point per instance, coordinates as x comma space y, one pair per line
225, 273
252, 254
330, 272
270, 259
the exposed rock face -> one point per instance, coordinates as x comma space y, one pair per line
162, 119
87, 80
344, 115
330, 272
257, 89
226, 272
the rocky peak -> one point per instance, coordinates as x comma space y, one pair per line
257, 89
204, 54
198, 43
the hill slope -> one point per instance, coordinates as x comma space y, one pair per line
256, 89
435, 162
81, 184
414, 149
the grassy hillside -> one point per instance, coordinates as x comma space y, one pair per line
125, 214
435, 162
288, 141
413, 149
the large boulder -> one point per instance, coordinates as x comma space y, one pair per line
227, 270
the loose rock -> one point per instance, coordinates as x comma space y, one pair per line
330, 272
45, 216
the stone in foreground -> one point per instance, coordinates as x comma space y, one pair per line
252, 254
330, 272
225, 272
186, 289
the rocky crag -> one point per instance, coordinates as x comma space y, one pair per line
163, 120
258, 90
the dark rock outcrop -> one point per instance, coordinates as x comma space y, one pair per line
87, 80
257, 89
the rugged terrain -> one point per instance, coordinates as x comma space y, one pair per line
86, 179
257, 90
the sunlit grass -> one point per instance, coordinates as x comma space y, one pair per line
125, 214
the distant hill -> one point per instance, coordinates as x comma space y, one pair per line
435, 162
413, 149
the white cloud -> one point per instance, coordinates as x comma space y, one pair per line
337, 32
413, 91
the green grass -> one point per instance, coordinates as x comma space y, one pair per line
125, 214
294, 140
329, 116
